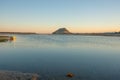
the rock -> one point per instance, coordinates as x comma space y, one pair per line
61, 31
3, 40
70, 75
12, 38
7, 38
35, 77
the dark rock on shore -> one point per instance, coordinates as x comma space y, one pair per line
7, 38
70, 75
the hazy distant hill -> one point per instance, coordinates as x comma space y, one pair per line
62, 31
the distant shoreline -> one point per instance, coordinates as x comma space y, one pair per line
17, 33
83, 34
99, 34
93, 34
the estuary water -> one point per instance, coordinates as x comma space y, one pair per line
53, 56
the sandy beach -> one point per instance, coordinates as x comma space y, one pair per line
14, 75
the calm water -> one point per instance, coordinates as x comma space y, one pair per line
52, 56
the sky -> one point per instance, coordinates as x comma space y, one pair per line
45, 16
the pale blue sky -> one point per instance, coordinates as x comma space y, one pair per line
45, 16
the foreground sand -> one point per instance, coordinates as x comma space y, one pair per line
13, 75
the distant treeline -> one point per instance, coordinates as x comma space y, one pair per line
91, 34
99, 34
17, 33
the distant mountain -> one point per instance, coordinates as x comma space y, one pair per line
62, 31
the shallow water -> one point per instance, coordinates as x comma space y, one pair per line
52, 56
